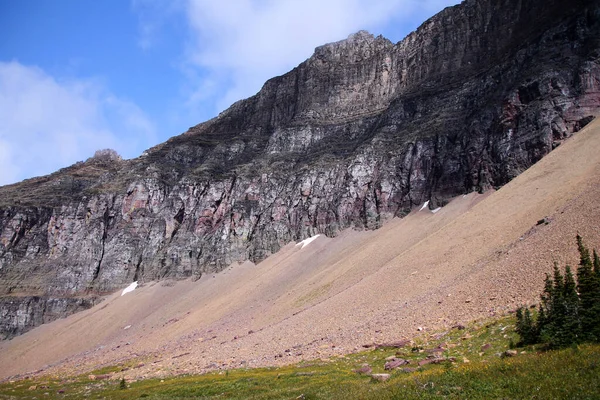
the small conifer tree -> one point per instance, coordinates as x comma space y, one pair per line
588, 286
545, 314
526, 327
596, 263
571, 328
569, 311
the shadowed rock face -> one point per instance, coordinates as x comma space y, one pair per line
360, 132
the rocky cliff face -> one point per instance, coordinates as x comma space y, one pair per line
359, 133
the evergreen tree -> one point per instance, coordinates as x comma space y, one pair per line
571, 328
560, 325
569, 311
541, 323
558, 336
584, 253
589, 294
595, 312
545, 316
526, 327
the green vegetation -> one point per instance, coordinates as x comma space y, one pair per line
477, 366
569, 312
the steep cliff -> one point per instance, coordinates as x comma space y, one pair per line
360, 132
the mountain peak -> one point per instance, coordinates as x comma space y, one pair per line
356, 46
361, 35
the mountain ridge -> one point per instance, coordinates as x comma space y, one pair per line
465, 103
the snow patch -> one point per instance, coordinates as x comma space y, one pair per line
436, 210
425, 205
306, 242
129, 288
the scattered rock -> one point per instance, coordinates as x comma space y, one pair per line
394, 345
98, 377
435, 360
425, 362
395, 363
486, 347
380, 377
510, 353
364, 370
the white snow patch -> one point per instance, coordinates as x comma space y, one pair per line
436, 210
425, 205
129, 288
306, 242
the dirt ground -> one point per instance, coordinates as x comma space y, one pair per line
479, 256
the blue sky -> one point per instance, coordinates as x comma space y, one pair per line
81, 75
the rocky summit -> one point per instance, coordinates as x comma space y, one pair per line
361, 132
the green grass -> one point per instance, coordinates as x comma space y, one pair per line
572, 373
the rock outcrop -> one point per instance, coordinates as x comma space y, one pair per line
361, 132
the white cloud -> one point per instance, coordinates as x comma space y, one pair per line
47, 124
237, 47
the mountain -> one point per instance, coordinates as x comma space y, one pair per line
359, 133
478, 257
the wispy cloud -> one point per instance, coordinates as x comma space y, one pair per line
46, 124
152, 16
